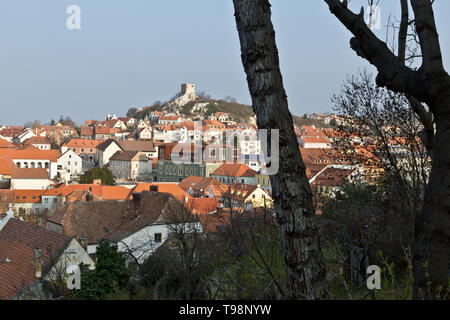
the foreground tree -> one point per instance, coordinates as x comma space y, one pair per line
110, 274
429, 84
291, 190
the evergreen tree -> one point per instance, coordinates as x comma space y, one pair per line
110, 274
98, 173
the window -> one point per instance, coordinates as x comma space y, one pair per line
158, 237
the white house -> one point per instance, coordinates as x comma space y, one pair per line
130, 165
30, 179
70, 165
105, 151
27, 158
42, 143
25, 135
145, 134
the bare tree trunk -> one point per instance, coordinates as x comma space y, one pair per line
429, 84
291, 189
432, 232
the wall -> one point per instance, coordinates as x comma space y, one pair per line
30, 184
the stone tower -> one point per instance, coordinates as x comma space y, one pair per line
188, 89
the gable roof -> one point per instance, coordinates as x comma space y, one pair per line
32, 154
83, 143
28, 196
197, 183
37, 140
202, 206
6, 165
110, 220
234, 170
124, 155
86, 131
134, 145
170, 188
18, 240
6, 144
29, 173
105, 144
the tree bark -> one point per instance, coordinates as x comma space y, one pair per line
291, 189
432, 228
431, 85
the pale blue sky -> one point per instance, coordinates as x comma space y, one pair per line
131, 53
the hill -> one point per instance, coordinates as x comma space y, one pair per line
202, 108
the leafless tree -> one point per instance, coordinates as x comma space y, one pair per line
430, 87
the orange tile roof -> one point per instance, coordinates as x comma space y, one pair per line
6, 165
234, 170
37, 140
202, 205
28, 196
29, 173
169, 118
170, 188
83, 143
100, 191
317, 139
32, 154
115, 193
54, 192
6, 144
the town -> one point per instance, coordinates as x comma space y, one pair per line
66, 189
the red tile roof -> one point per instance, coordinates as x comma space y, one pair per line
86, 131
83, 143
28, 196
32, 154
6, 165
37, 140
18, 240
234, 170
29, 173
202, 205
170, 188
6, 144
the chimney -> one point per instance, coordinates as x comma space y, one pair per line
97, 182
136, 204
38, 263
84, 242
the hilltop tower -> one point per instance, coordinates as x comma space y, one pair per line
188, 90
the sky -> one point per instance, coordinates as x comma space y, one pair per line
132, 53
